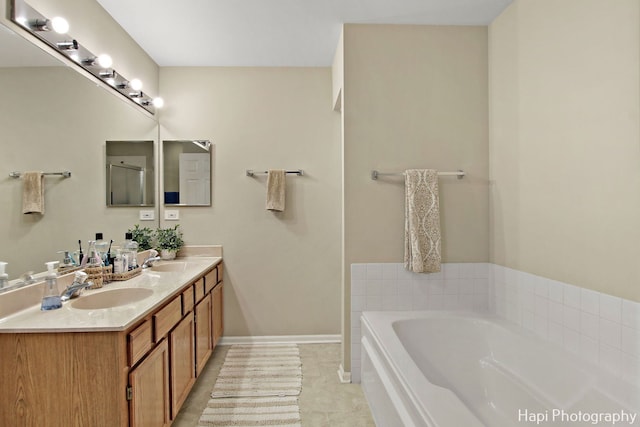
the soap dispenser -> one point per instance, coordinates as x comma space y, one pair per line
51, 299
4, 277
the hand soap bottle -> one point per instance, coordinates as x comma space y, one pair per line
4, 277
51, 299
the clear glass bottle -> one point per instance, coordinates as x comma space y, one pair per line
102, 246
130, 249
51, 298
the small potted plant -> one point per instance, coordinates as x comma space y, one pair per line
142, 235
169, 241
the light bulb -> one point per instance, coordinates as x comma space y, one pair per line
105, 61
60, 25
158, 102
135, 84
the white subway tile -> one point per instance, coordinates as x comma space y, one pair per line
374, 271
499, 273
589, 348
358, 271
631, 314
405, 287
571, 340
610, 333
389, 287
420, 289
526, 283
466, 302
556, 333
436, 287
571, 318
357, 302
572, 296
480, 302
451, 302
358, 287
631, 341
451, 271
405, 302
556, 291
589, 325
630, 367
373, 303
541, 308
529, 321
527, 302
467, 286
390, 303
373, 287
541, 327
389, 271
512, 313
610, 358
467, 270
556, 312
611, 307
481, 270
451, 287
481, 286
404, 274
436, 302
420, 303
541, 286
590, 301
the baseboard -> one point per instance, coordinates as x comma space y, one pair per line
345, 377
278, 339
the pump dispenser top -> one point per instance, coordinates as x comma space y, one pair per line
51, 300
4, 277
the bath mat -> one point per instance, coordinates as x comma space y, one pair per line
258, 385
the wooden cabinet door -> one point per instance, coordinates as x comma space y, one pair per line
183, 374
149, 405
218, 326
204, 337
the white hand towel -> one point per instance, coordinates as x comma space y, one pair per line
275, 189
33, 193
422, 221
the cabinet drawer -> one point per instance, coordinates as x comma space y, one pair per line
140, 342
199, 290
210, 280
187, 299
167, 317
219, 270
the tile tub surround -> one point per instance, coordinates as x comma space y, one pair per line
389, 287
601, 328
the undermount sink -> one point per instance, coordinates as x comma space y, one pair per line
112, 298
170, 266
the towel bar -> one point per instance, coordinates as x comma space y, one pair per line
375, 174
251, 172
65, 174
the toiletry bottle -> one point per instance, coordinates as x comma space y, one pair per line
4, 277
131, 249
103, 247
51, 298
119, 263
94, 258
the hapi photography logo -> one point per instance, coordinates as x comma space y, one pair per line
563, 417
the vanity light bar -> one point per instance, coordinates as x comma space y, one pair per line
26, 17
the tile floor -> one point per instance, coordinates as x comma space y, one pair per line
324, 402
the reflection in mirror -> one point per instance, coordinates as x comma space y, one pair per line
53, 119
187, 172
130, 173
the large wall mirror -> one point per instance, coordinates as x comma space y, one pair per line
187, 172
54, 119
130, 173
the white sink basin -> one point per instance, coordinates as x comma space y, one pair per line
168, 267
113, 298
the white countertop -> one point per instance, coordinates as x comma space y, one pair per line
69, 319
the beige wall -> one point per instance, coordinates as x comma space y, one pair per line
413, 97
565, 151
282, 273
53, 119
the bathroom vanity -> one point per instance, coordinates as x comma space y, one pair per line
124, 355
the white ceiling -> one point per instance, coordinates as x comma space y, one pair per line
273, 32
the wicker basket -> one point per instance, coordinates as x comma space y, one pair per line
127, 275
95, 275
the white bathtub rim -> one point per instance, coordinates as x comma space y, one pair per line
624, 392
450, 410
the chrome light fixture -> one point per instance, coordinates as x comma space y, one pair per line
53, 32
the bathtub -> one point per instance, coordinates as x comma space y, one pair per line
451, 369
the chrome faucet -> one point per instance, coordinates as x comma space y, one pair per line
153, 257
149, 261
73, 290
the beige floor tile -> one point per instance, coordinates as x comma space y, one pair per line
324, 401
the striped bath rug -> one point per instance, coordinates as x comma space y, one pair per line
257, 385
